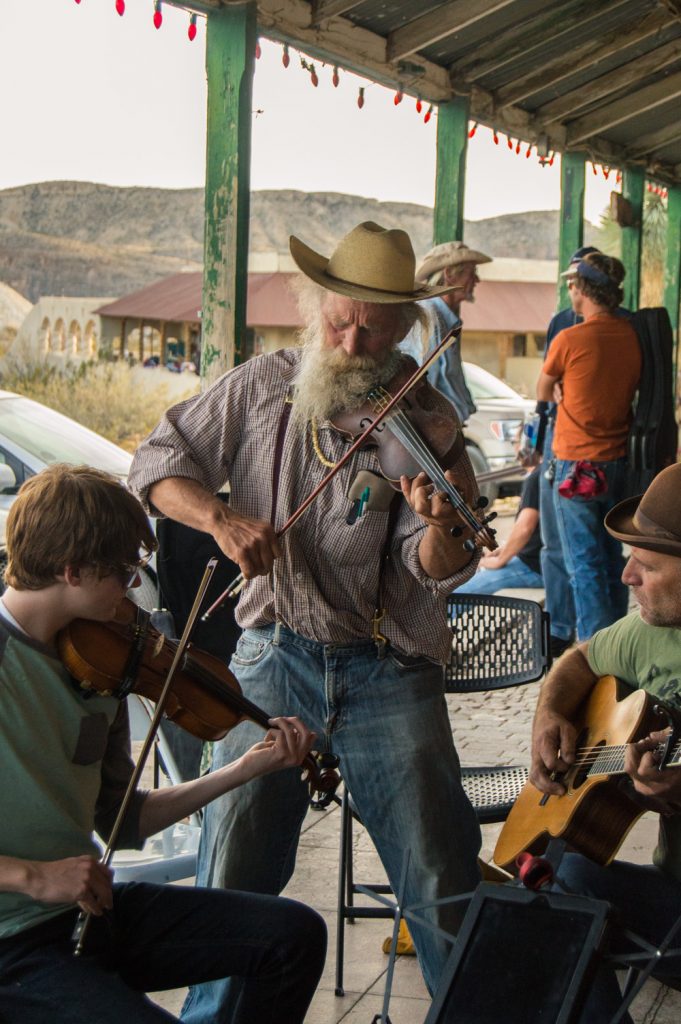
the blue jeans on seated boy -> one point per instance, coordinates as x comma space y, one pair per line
593, 558
515, 575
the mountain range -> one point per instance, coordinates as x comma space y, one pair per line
82, 238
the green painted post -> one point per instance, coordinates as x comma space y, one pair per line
571, 235
450, 173
672, 269
230, 53
632, 189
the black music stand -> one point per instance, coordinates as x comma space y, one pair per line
497, 969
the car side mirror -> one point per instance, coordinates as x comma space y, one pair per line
8, 480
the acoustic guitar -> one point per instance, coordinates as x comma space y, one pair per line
595, 813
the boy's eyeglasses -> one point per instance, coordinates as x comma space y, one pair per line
128, 572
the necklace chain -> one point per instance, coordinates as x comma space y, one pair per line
317, 449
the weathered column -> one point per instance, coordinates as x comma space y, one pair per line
571, 236
230, 53
632, 189
450, 172
672, 268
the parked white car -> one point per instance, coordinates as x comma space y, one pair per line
493, 429
32, 436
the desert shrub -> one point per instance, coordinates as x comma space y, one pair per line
119, 402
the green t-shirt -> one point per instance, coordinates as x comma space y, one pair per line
64, 766
649, 658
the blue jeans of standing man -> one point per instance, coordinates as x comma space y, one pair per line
558, 602
645, 901
163, 937
515, 575
593, 558
386, 718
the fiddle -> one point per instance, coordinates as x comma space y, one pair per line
390, 403
129, 656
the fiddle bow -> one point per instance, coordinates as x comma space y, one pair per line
387, 405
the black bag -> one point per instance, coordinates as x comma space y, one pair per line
653, 437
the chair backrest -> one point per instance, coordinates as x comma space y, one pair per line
496, 642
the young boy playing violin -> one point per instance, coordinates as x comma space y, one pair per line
76, 539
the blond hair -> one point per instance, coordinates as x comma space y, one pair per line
77, 516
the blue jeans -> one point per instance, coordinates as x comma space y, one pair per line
558, 601
386, 718
513, 576
645, 901
593, 558
164, 937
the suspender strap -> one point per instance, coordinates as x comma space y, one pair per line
278, 453
141, 631
376, 635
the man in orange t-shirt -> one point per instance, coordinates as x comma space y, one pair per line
592, 370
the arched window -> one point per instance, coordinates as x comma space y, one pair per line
59, 337
45, 338
75, 337
90, 338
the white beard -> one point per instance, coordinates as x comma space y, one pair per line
329, 381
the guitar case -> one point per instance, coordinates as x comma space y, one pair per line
653, 437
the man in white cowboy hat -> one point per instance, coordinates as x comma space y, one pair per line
455, 265
344, 617
643, 650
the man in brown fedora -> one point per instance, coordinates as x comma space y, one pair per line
643, 650
455, 265
344, 617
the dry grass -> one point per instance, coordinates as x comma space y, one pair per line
111, 398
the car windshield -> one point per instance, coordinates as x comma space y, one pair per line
51, 437
482, 384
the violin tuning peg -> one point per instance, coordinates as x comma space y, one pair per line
456, 531
490, 517
469, 545
482, 502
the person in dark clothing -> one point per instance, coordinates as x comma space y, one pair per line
516, 563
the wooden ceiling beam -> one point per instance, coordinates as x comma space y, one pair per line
633, 71
525, 46
581, 58
353, 47
322, 10
650, 144
624, 109
439, 23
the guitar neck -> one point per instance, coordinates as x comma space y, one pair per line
610, 760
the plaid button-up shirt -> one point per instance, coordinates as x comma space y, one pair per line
326, 584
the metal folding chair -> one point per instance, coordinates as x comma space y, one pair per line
497, 642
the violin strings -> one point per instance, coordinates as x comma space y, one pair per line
406, 432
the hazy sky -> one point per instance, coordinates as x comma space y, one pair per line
90, 96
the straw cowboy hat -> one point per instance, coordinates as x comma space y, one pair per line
370, 264
651, 520
447, 254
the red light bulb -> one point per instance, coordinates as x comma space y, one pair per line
473, 130
419, 105
428, 115
360, 97
398, 97
495, 137
313, 76
285, 57
120, 7
509, 142
335, 78
158, 14
258, 51
529, 150
191, 31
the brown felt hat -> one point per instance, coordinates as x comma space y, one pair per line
370, 264
651, 520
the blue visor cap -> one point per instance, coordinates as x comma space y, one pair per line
592, 273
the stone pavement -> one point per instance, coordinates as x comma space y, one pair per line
489, 728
